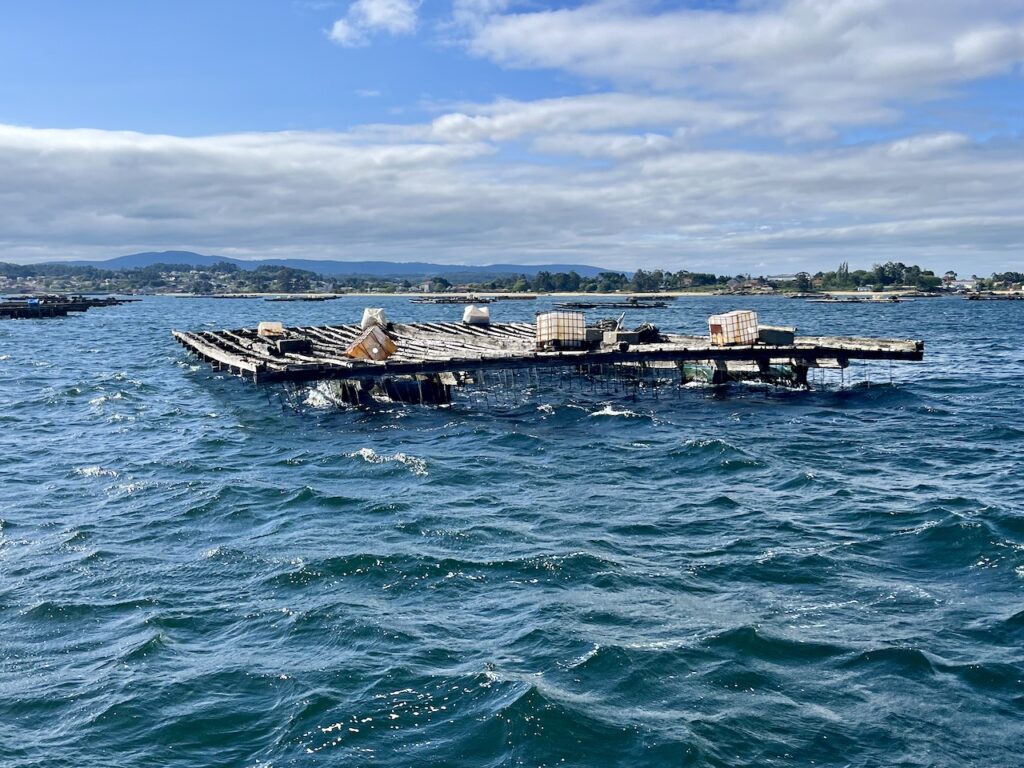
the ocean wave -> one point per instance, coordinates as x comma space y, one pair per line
610, 410
750, 642
412, 570
96, 471
142, 649
897, 660
415, 465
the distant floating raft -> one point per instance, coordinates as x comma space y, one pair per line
611, 305
30, 307
859, 300
488, 298
451, 300
299, 297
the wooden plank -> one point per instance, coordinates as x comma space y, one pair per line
213, 352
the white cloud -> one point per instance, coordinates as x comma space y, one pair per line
507, 119
472, 13
614, 146
345, 33
928, 146
942, 200
365, 17
812, 63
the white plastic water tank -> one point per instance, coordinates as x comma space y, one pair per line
476, 315
373, 316
564, 329
733, 328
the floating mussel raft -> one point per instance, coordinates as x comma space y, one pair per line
423, 362
52, 305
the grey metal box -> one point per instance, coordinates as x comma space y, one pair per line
615, 337
776, 336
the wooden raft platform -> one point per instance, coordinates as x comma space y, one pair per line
431, 349
31, 307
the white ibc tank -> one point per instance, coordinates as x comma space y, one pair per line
733, 328
561, 329
373, 316
476, 315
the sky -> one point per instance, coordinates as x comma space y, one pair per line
756, 136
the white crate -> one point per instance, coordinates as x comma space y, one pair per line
560, 329
732, 328
474, 315
267, 328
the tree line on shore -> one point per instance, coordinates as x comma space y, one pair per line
227, 277
884, 276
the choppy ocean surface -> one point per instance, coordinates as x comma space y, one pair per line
195, 571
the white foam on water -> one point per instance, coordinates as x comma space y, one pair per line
585, 657
416, 465
318, 396
655, 645
129, 488
96, 471
101, 399
610, 410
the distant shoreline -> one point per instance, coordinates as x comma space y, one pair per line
648, 295
554, 294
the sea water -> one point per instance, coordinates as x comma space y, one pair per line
195, 571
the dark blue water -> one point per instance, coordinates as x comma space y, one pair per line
198, 572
